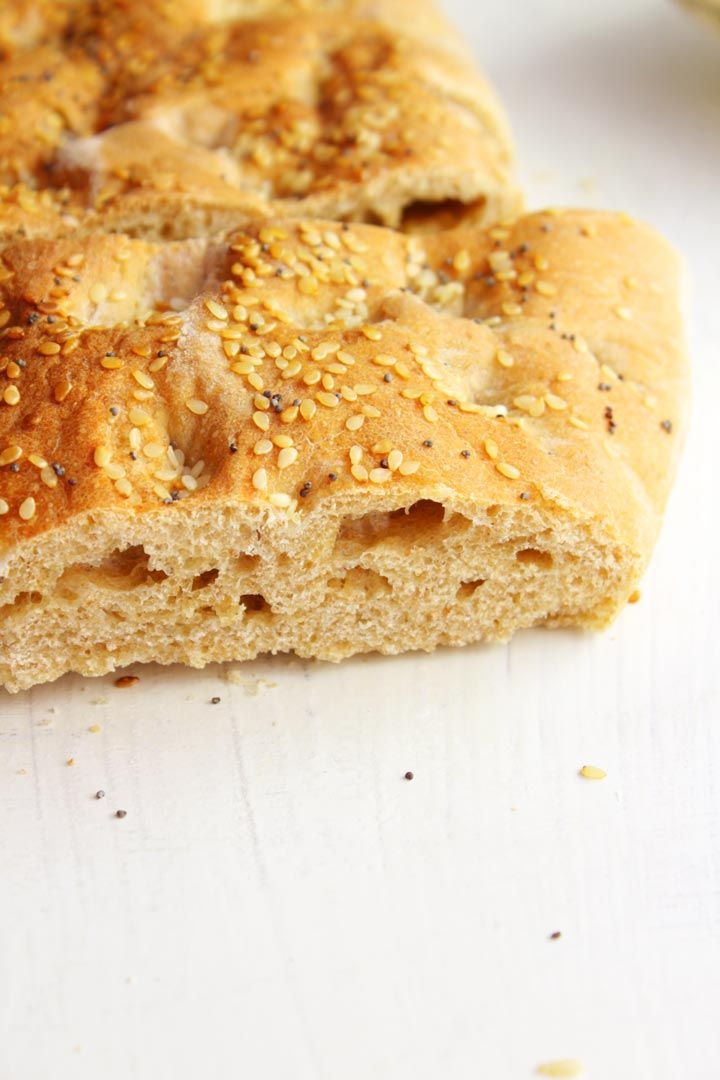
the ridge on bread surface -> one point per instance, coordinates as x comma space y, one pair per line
329, 437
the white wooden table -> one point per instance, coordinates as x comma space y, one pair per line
279, 902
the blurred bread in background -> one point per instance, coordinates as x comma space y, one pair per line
709, 10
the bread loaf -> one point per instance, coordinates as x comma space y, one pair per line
328, 437
171, 120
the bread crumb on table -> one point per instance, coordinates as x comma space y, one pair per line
567, 1067
250, 685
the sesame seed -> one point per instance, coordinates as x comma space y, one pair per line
153, 450
98, 292
111, 363
379, 476
576, 422
395, 460
123, 487
139, 417
555, 402
280, 499
10, 455
354, 423
592, 772
283, 441
565, 1069
27, 509
429, 413
360, 473
461, 260
545, 288
102, 456
62, 389
371, 333
216, 309
3, 507
262, 446
624, 313
260, 480
324, 349
287, 457
327, 399
199, 408
504, 358
408, 468
510, 471
491, 448
11, 395
308, 408
308, 286
509, 307
355, 454
143, 379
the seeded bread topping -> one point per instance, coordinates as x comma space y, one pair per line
328, 437
172, 119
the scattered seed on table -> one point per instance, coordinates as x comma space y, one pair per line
592, 772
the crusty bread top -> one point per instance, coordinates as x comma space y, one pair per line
303, 361
158, 118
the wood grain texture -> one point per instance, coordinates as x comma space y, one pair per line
279, 902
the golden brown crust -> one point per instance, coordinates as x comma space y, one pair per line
587, 320
155, 116
230, 425
212, 446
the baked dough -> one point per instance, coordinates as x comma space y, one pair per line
329, 438
709, 10
173, 119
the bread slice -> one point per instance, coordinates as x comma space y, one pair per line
172, 120
329, 438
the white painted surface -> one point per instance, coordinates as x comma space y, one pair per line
279, 902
